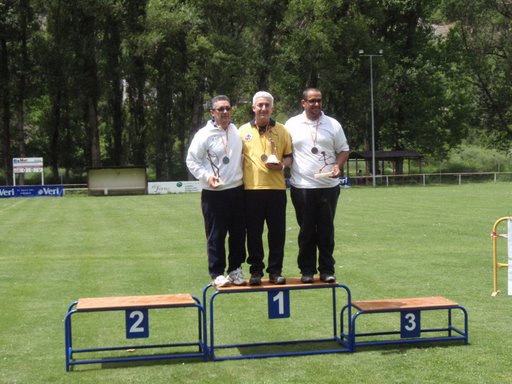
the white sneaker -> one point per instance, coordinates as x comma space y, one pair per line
237, 277
221, 281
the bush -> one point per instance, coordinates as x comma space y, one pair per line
471, 158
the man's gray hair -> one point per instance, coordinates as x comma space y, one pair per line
265, 95
217, 99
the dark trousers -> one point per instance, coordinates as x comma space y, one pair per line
315, 210
223, 213
265, 206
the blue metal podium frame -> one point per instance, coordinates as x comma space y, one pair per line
343, 339
449, 332
200, 343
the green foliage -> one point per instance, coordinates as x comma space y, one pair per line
472, 158
124, 82
482, 40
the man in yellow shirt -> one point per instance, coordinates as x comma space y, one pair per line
267, 150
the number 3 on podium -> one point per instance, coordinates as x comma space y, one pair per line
410, 324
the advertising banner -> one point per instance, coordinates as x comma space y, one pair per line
27, 165
161, 188
32, 191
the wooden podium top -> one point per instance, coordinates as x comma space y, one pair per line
399, 304
121, 302
291, 282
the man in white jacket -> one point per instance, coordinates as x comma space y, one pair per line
215, 159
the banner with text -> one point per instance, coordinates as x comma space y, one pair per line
32, 191
163, 187
27, 165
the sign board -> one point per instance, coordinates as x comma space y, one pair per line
27, 165
137, 323
410, 324
345, 182
124, 180
160, 188
278, 304
32, 191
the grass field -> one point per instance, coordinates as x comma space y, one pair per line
391, 243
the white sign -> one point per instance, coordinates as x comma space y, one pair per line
164, 187
27, 164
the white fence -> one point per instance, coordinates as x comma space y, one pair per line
433, 179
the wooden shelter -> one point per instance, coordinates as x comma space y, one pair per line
396, 158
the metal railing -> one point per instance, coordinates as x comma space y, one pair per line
495, 235
421, 179
433, 178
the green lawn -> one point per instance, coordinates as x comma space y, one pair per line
391, 243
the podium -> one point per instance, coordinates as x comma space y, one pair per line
333, 340
136, 309
412, 329
328, 322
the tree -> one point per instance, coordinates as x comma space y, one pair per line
423, 109
135, 19
124, 82
482, 39
6, 30
86, 52
166, 39
111, 72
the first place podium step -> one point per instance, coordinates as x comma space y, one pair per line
331, 338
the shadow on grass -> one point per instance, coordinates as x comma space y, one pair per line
277, 349
148, 360
390, 349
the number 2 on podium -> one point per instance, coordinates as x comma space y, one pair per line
137, 323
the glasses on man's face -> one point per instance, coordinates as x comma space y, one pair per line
223, 109
314, 101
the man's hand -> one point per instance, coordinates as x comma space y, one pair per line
214, 182
336, 171
275, 166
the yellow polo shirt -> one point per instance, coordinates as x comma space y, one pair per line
275, 140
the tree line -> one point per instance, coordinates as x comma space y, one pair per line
91, 83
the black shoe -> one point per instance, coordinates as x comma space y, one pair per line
327, 278
277, 279
255, 279
307, 279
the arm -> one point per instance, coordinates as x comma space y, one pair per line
341, 159
287, 161
195, 159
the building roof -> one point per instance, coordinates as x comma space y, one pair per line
386, 155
